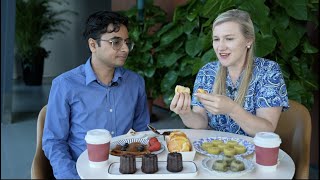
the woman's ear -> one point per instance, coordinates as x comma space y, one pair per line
92, 44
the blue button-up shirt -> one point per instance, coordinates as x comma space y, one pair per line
267, 88
79, 102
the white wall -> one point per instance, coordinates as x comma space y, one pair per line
69, 50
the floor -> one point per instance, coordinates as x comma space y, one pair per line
18, 140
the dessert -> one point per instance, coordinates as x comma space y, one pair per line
206, 145
134, 148
174, 162
228, 159
213, 150
149, 163
229, 151
232, 143
240, 149
237, 165
201, 91
182, 89
127, 164
220, 165
216, 142
178, 142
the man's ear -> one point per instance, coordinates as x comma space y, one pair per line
92, 44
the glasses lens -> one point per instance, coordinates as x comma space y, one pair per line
130, 45
117, 43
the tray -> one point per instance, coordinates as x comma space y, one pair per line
189, 170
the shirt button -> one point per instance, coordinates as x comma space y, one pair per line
110, 110
112, 132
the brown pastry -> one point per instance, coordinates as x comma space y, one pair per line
134, 148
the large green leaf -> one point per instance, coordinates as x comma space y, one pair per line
167, 60
171, 35
169, 80
264, 44
295, 8
195, 44
308, 48
290, 38
257, 9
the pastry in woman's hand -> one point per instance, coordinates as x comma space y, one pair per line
202, 91
182, 89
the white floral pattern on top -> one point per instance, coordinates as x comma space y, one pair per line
267, 88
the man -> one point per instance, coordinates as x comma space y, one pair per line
99, 94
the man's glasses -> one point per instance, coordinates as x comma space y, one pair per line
117, 43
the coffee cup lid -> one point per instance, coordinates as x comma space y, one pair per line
98, 136
267, 139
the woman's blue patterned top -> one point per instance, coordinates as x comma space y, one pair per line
267, 89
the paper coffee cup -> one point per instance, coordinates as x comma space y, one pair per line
98, 145
267, 146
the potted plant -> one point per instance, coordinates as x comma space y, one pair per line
186, 42
36, 21
142, 58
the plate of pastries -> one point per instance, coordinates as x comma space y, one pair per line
136, 146
215, 146
178, 141
227, 166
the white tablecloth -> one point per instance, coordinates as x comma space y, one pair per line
285, 169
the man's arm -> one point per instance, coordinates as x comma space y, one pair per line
56, 132
142, 116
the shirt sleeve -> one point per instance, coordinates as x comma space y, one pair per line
56, 132
271, 91
142, 116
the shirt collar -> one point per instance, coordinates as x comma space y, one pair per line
91, 75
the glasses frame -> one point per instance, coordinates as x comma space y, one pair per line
123, 41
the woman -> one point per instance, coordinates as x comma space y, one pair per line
246, 94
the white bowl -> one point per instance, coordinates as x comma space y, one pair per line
186, 156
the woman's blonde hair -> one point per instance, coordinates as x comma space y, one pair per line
247, 30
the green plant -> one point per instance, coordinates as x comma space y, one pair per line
141, 58
185, 43
37, 21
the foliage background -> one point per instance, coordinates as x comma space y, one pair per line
180, 47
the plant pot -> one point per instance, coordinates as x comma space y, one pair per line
32, 73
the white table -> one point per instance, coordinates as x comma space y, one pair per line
285, 169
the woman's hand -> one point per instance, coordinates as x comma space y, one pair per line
217, 104
180, 103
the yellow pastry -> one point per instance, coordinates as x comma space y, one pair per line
229, 151
240, 149
205, 145
216, 142
231, 143
178, 142
222, 146
213, 150
182, 89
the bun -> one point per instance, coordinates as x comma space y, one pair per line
178, 142
201, 91
182, 89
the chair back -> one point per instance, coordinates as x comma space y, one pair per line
41, 168
294, 129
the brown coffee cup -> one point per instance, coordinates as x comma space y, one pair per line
98, 146
267, 145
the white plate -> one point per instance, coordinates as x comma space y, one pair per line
142, 141
189, 170
207, 164
197, 145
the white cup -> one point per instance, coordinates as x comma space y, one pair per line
98, 145
267, 145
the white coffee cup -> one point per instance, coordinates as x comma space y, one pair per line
98, 145
267, 145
